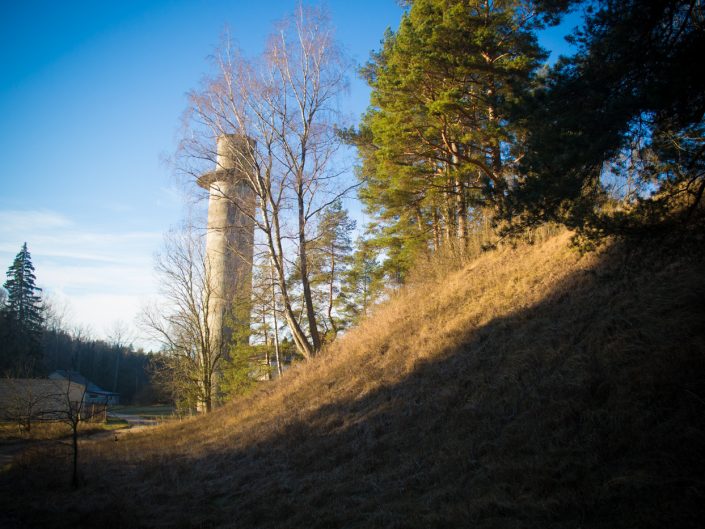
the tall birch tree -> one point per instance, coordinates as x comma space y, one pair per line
285, 103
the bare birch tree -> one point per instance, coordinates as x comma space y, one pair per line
285, 103
181, 321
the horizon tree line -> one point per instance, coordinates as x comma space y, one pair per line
35, 340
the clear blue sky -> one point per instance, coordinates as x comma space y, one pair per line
91, 94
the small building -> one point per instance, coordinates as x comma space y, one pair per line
28, 399
94, 394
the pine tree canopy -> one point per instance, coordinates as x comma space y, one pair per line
616, 139
22, 320
439, 145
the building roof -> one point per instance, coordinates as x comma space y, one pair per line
43, 395
78, 378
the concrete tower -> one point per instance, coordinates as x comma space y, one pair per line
229, 241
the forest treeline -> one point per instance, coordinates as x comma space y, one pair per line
36, 340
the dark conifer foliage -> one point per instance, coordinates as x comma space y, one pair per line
615, 135
102, 363
23, 300
22, 318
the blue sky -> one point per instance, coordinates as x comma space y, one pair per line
91, 95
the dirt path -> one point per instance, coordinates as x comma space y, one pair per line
134, 420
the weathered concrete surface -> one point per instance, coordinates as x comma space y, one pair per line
229, 240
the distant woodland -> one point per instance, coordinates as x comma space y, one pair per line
37, 339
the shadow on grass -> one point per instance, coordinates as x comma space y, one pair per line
584, 410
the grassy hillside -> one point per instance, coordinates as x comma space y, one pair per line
531, 388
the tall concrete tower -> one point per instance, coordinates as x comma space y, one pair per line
229, 241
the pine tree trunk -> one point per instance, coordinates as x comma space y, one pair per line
495, 147
436, 230
331, 320
450, 211
461, 203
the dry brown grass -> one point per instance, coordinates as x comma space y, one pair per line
531, 388
39, 431
51, 430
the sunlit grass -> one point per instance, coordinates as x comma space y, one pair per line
53, 430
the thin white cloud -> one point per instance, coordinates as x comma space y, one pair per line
76, 279
68, 241
104, 276
13, 221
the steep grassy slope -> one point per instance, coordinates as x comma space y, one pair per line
532, 388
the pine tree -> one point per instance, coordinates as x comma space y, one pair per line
626, 108
23, 315
438, 144
363, 282
332, 251
23, 301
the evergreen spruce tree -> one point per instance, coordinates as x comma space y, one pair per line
23, 315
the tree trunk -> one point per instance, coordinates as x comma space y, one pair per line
436, 230
273, 234
461, 203
74, 476
331, 320
206, 404
495, 147
277, 353
450, 211
303, 258
268, 374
